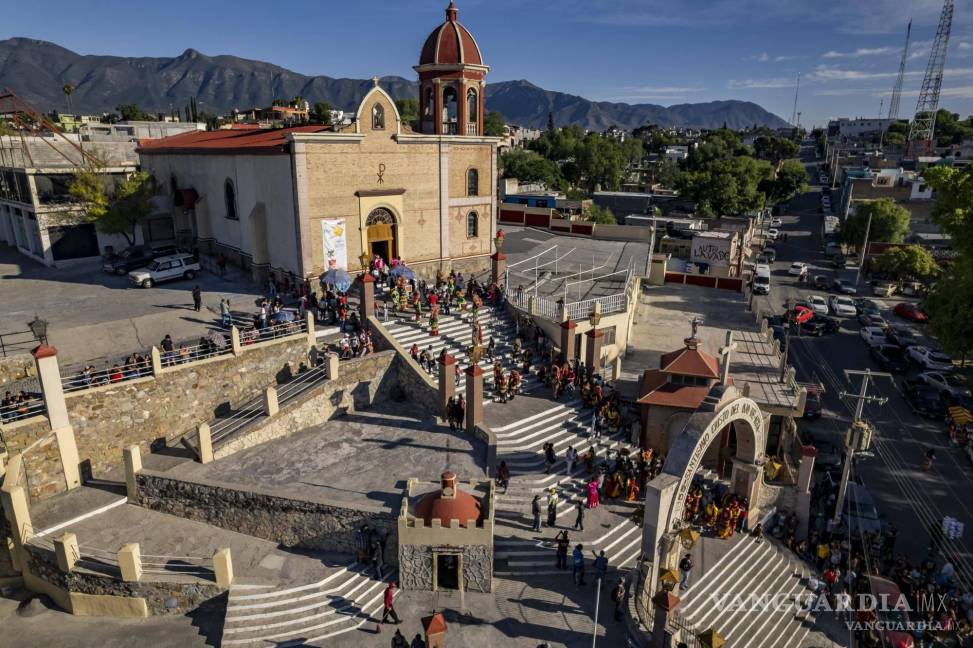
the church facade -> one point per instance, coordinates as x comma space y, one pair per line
301, 200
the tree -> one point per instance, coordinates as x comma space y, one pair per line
321, 113
791, 180
550, 121
118, 212
951, 130
408, 110
494, 125
131, 112
953, 210
950, 306
727, 187
601, 215
774, 148
889, 223
909, 262
529, 166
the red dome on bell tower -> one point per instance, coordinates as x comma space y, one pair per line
451, 79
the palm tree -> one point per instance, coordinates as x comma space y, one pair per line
68, 89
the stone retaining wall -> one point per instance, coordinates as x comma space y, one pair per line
360, 383
162, 598
306, 524
45, 474
16, 369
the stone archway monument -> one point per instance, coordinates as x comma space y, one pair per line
665, 496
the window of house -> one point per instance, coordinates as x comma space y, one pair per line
609, 335
472, 182
472, 225
229, 197
378, 117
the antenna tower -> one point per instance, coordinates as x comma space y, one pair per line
897, 88
924, 123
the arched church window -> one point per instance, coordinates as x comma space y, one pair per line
472, 182
229, 197
378, 117
472, 105
472, 225
380, 216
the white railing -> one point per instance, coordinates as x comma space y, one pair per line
471, 129
609, 304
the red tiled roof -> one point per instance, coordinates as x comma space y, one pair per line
690, 362
266, 140
450, 44
655, 389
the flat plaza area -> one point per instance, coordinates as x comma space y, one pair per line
93, 315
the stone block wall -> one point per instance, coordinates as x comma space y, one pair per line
162, 598
16, 368
416, 566
45, 474
360, 383
305, 524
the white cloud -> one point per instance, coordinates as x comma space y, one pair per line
964, 45
860, 52
781, 59
776, 82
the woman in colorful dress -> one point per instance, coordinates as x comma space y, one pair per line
593, 494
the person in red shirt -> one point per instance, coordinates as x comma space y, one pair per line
389, 604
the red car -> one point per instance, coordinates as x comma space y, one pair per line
911, 312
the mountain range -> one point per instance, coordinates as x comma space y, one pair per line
38, 70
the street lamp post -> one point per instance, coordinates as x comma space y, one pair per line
788, 321
38, 328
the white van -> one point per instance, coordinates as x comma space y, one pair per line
761, 279
176, 266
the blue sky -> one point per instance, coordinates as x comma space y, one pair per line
636, 51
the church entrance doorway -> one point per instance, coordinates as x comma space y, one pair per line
381, 232
448, 569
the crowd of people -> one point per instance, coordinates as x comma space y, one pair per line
716, 509
19, 405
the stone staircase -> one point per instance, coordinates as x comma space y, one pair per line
520, 445
749, 570
310, 614
456, 336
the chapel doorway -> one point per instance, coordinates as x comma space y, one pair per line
381, 231
448, 571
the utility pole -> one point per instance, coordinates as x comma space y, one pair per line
594, 629
853, 441
788, 322
868, 229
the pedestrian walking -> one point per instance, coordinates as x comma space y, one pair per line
618, 598
578, 571
562, 549
389, 602
378, 561
399, 640
226, 321
221, 263
601, 565
570, 456
197, 298
685, 570
417, 642
579, 520
535, 510
362, 542
382, 534
552, 507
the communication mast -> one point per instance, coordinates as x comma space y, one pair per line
924, 123
796, 90
897, 88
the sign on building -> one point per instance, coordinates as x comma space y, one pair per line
712, 248
334, 240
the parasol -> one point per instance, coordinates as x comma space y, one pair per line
402, 270
337, 278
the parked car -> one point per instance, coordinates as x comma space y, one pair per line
873, 335
860, 512
868, 312
797, 269
821, 282
911, 312
844, 286
812, 406
925, 400
839, 261
930, 359
883, 624
842, 306
883, 288
135, 257
776, 222
948, 384
818, 304
901, 336
773, 233
167, 268
890, 358
769, 255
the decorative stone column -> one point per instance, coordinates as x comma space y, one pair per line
474, 397
593, 351
805, 473
133, 465
664, 603
45, 357
447, 381
568, 339
366, 296
66, 551
745, 480
223, 568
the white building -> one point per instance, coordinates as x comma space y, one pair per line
858, 128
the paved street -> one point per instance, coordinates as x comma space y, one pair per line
94, 315
908, 497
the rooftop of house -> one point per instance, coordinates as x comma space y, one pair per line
264, 140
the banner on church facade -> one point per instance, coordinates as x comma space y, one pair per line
334, 240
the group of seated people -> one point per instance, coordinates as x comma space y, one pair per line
717, 510
16, 406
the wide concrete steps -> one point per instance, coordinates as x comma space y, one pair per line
309, 614
750, 571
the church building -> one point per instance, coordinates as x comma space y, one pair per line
303, 199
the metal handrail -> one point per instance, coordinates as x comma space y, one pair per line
86, 379
33, 406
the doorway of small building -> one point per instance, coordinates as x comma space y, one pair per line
381, 248
448, 571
